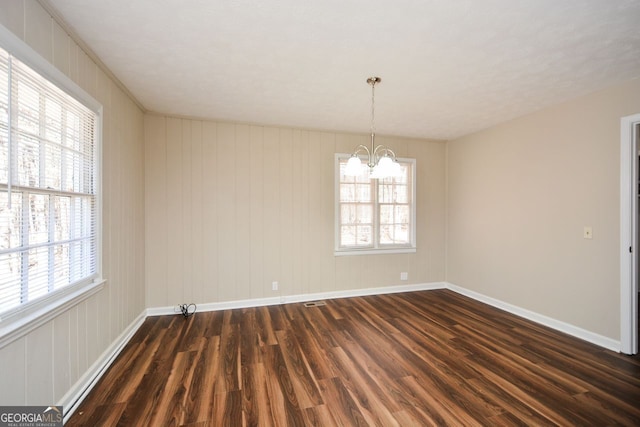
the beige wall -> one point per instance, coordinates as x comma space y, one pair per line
42, 366
519, 195
231, 208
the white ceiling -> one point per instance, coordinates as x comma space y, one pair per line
448, 67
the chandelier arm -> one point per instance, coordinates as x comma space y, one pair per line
393, 154
381, 148
361, 147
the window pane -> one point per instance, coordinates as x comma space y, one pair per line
62, 271
365, 214
66, 170
38, 218
386, 214
386, 234
348, 214
4, 152
28, 109
347, 193
401, 214
53, 127
62, 220
364, 192
406, 173
348, 235
38, 272
28, 154
401, 234
364, 235
10, 278
53, 174
401, 194
72, 132
4, 95
10, 220
364, 176
385, 193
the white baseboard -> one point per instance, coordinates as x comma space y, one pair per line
567, 328
72, 399
288, 299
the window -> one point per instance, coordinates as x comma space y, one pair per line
375, 215
49, 225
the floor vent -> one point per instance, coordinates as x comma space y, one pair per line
315, 304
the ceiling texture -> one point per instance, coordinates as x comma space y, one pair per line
448, 67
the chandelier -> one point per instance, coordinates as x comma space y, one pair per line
381, 160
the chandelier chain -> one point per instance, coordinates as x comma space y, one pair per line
373, 108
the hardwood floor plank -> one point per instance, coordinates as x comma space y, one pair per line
427, 410
106, 415
429, 358
450, 357
255, 397
597, 409
313, 318
228, 362
377, 374
281, 389
140, 411
513, 408
201, 389
379, 349
301, 377
170, 409
265, 326
136, 353
342, 406
319, 416
250, 346
315, 354
372, 401
440, 402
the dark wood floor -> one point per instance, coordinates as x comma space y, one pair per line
413, 359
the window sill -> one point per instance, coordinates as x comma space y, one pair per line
20, 324
369, 251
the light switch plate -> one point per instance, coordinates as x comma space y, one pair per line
588, 232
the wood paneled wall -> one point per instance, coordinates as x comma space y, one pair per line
41, 367
231, 208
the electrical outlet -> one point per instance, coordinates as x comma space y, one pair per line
274, 286
404, 276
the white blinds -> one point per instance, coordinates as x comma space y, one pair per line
48, 204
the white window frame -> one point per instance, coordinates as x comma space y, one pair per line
24, 319
376, 249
